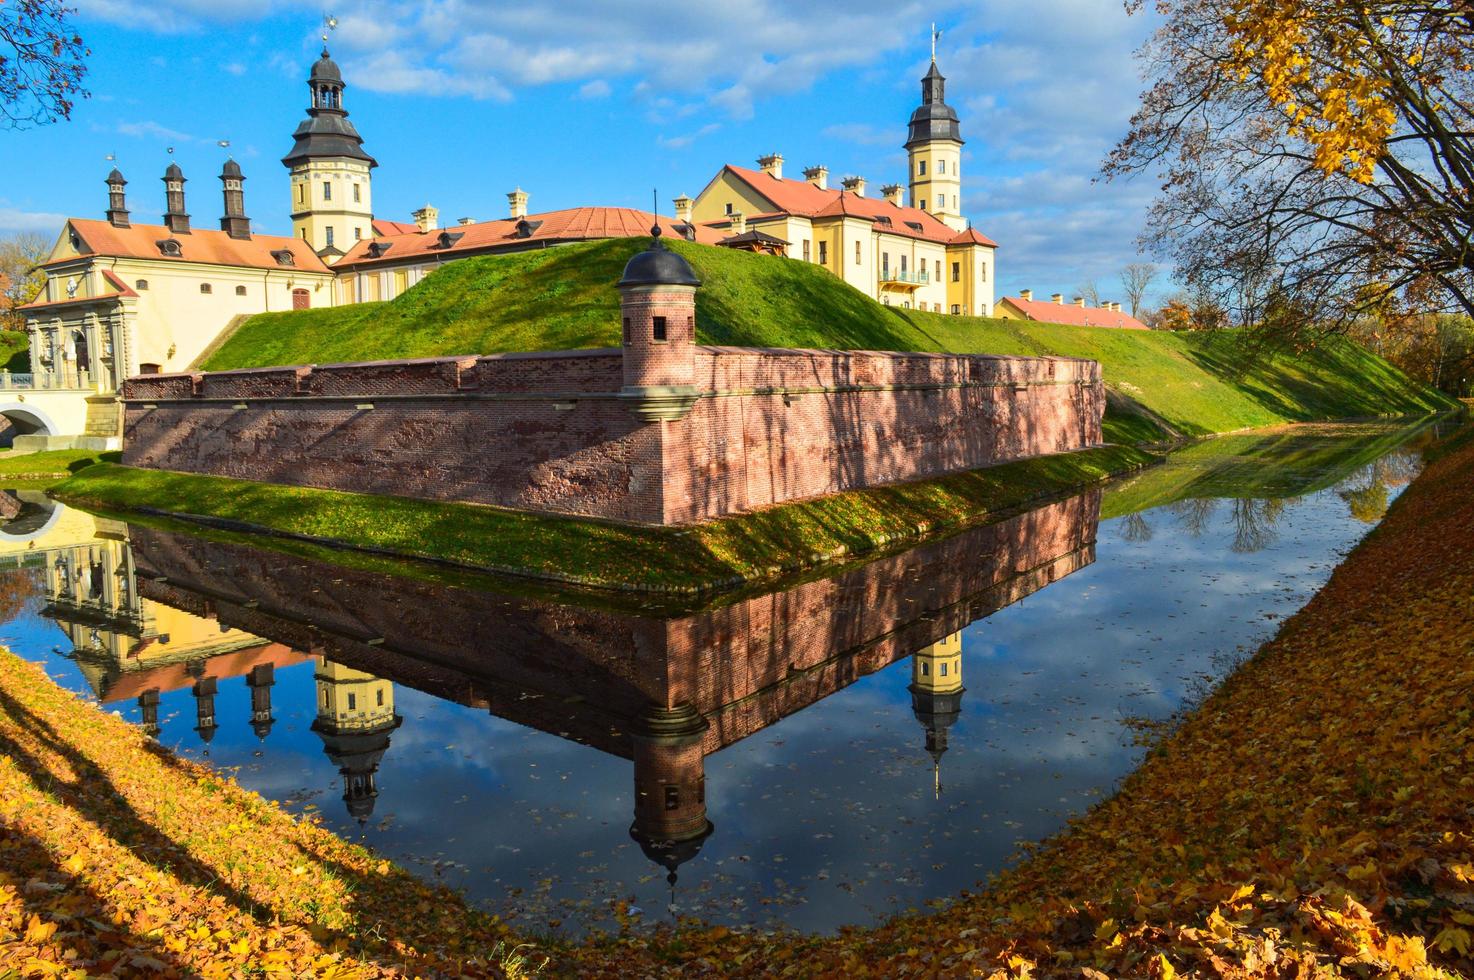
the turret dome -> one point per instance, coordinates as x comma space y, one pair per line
658, 266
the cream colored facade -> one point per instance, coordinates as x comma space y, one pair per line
936, 181
351, 700
332, 203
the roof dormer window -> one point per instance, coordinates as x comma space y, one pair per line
170, 248
525, 228
448, 238
377, 249
284, 257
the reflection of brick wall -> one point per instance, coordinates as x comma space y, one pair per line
547, 432
588, 673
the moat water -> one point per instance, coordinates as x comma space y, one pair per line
781, 759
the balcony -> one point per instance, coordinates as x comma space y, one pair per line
903, 280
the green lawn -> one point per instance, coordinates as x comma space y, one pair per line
564, 298
725, 553
53, 465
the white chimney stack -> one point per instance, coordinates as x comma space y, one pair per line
427, 218
1027, 295
1058, 298
517, 203
855, 185
818, 176
772, 165
683, 208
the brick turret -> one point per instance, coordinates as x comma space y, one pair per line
670, 786
657, 297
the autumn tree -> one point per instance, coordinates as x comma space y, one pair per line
1136, 279
1308, 148
19, 282
41, 65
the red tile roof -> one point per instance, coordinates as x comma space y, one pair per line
201, 245
569, 225
384, 227
174, 676
802, 198
1048, 311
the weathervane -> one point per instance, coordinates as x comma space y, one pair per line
935, 34
329, 24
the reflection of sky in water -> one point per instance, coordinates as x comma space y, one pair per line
829, 816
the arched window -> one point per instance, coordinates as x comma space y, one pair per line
206, 288
240, 290
301, 299
141, 284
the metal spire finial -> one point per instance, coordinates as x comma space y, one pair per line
329, 24
655, 216
935, 34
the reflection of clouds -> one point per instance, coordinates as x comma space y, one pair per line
828, 815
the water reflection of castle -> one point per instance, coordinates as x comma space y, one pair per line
665, 692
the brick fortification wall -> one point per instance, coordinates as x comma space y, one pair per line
552, 432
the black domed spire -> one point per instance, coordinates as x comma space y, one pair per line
934, 119
232, 169
116, 177
326, 132
173, 172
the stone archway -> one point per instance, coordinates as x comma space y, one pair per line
23, 420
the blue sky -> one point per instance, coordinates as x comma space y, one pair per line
590, 102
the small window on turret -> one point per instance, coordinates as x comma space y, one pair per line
921, 168
944, 668
626, 330
657, 327
327, 191
357, 193
941, 166
352, 702
925, 670
672, 797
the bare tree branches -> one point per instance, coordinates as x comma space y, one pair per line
1136, 279
41, 65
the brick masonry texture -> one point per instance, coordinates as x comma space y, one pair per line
589, 674
548, 432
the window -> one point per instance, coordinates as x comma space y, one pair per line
941, 166
147, 368
936, 307
357, 193
921, 169
944, 668
206, 288
941, 200
923, 266
885, 265
982, 273
301, 192
357, 234
381, 697
657, 328
626, 330
903, 265
327, 191
923, 204
729, 207
330, 236
672, 797
956, 310
806, 250
925, 669
823, 253
304, 234
141, 284
352, 702
240, 290
956, 271
857, 253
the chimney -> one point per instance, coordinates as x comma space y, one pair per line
235, 223
1080, 301
517, 203
1116, 307
892, 193
818, 176
117, 204
855, 185
1027, 295
175, 218
683, 208
1057, 298
772, 165
739, 222
465, 221
427, 218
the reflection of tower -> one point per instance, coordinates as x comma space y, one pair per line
148, 704
936, 695
259, 680
204, 703
670, 787
355, 714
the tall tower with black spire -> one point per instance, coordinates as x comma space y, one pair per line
936, 695
332, 200
934, 149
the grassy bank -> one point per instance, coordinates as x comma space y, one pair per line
719, 554
50, 466
564, 298
1311, 818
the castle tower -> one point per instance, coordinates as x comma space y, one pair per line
936, 695
234, 223
657, 305
934, 151
355, 715
117, 203
148, 706
204, 691
175, 217
259, 680
670, 787
332, 201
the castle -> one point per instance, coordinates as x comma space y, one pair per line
123, 298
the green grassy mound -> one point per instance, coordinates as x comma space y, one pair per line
564, 298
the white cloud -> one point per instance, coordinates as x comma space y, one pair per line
234, 68
174, 16
865, 134
597, 89
14, 220
680, 142
148, 129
